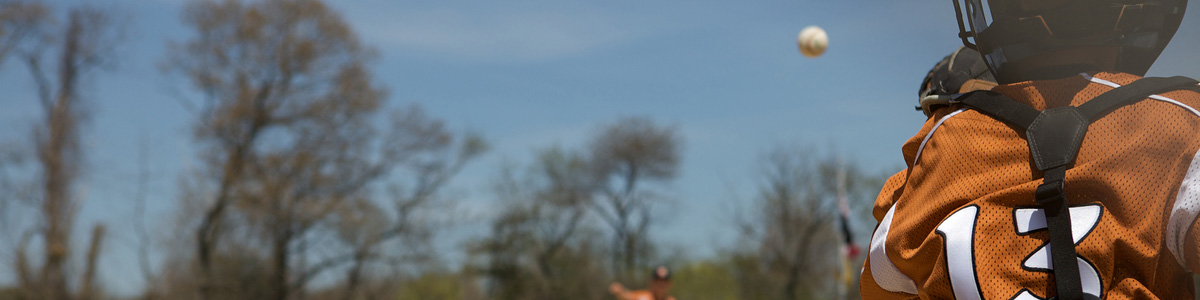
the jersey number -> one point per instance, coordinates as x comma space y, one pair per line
958, 232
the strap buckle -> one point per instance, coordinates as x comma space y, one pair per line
1053, 192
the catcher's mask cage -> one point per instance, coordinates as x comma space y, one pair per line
1010, 31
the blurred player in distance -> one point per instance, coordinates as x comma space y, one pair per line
659, 287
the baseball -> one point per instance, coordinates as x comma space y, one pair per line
812, 41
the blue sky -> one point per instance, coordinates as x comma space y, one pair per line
531, 74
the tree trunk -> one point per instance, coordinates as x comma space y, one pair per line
57, 147
207, 233
789, 289
87, 285
353, 276
280, 256
24, 274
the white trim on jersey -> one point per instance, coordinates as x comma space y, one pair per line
885, 273
1184, 212
1155, 97
931, 131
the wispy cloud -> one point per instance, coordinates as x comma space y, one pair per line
514, 36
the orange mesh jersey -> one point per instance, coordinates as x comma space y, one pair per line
962, 223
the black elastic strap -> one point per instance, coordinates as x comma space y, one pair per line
1051, 196
1132, 93
1001, 107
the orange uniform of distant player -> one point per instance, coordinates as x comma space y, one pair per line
660, 284
644, 295
964, 208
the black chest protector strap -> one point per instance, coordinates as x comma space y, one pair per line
1054, 136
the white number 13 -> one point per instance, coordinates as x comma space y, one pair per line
958, 231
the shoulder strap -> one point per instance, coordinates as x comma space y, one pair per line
1018, 114
1000, 107
1054, 136
1132, 93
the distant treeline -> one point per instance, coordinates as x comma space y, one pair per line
307, 186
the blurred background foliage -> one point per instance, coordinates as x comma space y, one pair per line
309, 187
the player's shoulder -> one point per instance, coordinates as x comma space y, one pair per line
1186, 97
641, 295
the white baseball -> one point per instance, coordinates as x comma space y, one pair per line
812, 41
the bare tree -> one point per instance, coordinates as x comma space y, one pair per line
626, 157
21, 22
426, 156
538, 247
22, 27
80, 46
794, 222
287, 106
291, 152
561, 206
